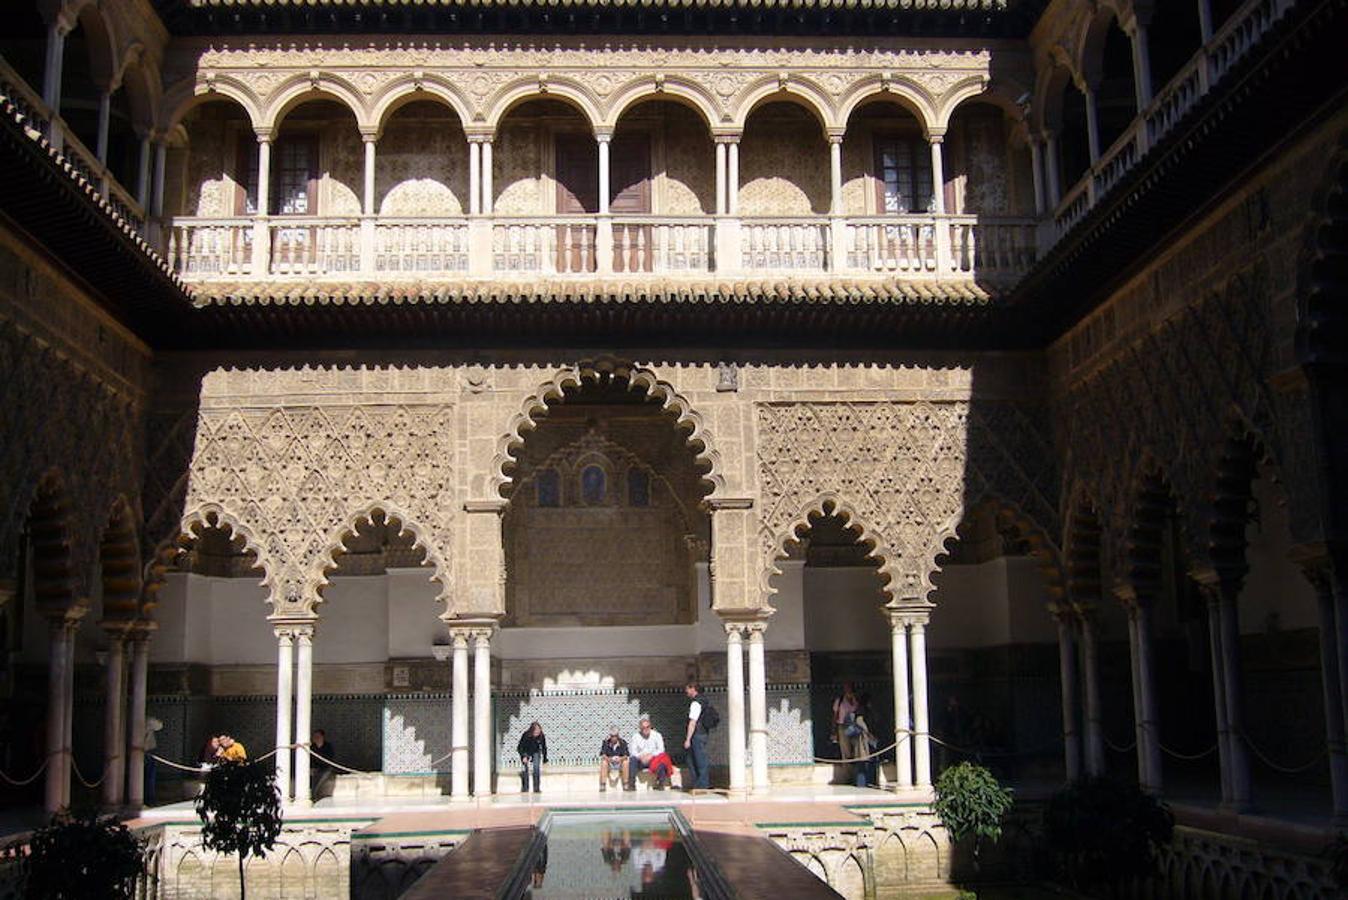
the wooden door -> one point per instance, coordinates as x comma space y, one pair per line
630, 195
577, 175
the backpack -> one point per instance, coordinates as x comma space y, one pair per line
710, 718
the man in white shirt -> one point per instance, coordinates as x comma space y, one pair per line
645, 746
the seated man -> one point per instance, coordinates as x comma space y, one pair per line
612, 756
648, 752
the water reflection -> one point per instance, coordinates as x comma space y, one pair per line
628, 856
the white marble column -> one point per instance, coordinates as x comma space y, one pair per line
114, 722
51, 74
903, 749
937, 174
1139, 733
482, 729
1205, 26
758, 706
835, 174
304, 693
1141, 66
1095, 736
1037, 172
458, 739
1149, 743
1234, 694
68, 725
263, 174
721, 178
135, 758
285, 677
1212, 596
1067, 672
917, 642
58, 700
603, 142
160, 160
734, 688
1319, 577
367, 199
732, 184
1054, 176
104, 120
474, 178
486, 200
1092, 124
143, 173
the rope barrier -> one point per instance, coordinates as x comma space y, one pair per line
1286, 770
1118, 748
201, 768
30, 779
856, 759
1189, 756
79, 775
335, 765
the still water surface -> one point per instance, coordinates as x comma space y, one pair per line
627, 855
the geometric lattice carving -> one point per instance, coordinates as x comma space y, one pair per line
298, 479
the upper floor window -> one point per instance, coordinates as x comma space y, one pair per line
638, 487
903, 174
294, 175
548, 485
593, 485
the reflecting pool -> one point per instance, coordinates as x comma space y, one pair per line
586, 855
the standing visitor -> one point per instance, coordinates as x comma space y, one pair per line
701, 718
845, 730
533, 750
151, 744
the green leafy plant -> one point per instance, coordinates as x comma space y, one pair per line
1101, 831
240, 811
79, 857
971, 803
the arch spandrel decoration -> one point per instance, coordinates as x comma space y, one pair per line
296, 476
317, 578
908, 470
777, 546
697, 434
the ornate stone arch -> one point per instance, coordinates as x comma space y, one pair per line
119, 561
1150, 492
98, 33
698, 436
523, 90
673, 88
180, 99
1090, 40
1059, 71
317, 578
409, 88
1042, 546
212, 515
50, 534
1083, 559
300, 89
794, 89
905, 91
825, 504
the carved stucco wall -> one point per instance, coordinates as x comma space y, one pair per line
421, 164
519, 169
783, 164
1195, 351
72, 388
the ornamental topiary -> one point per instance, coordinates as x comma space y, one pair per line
1100, 831
80, 857
240, 811
971, 802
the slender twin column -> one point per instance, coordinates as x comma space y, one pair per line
458, 738
51, 80
60, 696
734, 688
294, 683
1067, 670
1090, 663
908, 625
482, 727
1333, 614
758, 706
135, 757
1144, 691
727, 174
114, 723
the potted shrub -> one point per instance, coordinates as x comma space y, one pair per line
79, 857
971, 803
240, 811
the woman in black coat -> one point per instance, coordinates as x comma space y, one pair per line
533, 750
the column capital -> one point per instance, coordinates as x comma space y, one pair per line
369, 135
726, 137
734, 631
479, 135
263, 134
294, 629
935, 135
835, 135
603, 135
717, 504
495, 505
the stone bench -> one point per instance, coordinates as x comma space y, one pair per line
574, 780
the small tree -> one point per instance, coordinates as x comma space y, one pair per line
971, 802
78, 857
1100, 831
240, 811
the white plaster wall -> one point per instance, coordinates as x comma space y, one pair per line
1274, 585
239, 631
413, 614
1027, 602
843, 608
998, 602
353, 625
